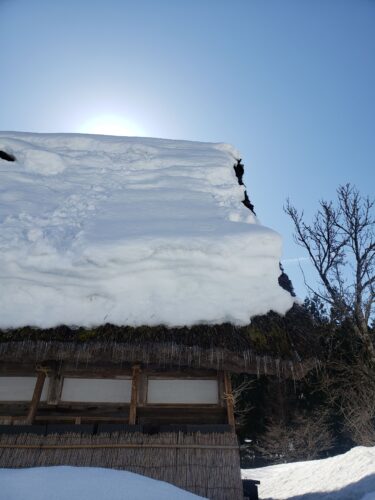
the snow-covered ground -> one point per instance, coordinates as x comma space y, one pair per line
350, 476
84, 483
126, 230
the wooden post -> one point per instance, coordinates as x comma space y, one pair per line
228, 395
54, 389
134, 395
36, 397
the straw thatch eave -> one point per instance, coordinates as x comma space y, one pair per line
270, 344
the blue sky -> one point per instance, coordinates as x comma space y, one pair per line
290, 83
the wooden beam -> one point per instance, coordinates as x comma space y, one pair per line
36, 396
221, 387
228, 395
142, 389
6, 420
54, 389
134, 395
98, 446
79, 419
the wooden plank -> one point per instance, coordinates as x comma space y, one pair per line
116, 446
79, 419
183, 409
100, 370
16, 369
152, 416
142, 389
181, 406
96, 372
92, 370
222, 401
54, 389
106, 409
36, 397
180, 376
92, 406
134, 395
6, 420
228, 395
199, 416
14, 410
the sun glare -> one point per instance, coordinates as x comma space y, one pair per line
110, 125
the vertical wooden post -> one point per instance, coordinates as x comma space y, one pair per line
134, 395
54, 388
228, 395
36, 397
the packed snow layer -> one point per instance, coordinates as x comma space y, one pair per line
84, 483
127, 230
350, 476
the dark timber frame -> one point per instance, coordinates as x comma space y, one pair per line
137, 411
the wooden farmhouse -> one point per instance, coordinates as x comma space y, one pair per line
132, 269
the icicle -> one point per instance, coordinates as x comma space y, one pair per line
291, 364
277, 364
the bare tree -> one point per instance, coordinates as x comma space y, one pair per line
305, 437
241, 405
351, 391
340, 242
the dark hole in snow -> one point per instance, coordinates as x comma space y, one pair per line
284, 280
7, 156
240, 170
248, 203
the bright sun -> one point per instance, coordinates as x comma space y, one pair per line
110, 125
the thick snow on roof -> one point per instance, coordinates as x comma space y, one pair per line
131, 231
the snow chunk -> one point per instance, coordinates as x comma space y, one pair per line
131, 231
42, 162
85, 483
350, 476
33, 158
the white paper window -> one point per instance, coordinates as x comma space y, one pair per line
182, 391
96, 390
20, 388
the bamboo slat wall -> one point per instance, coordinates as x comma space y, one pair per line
205, 464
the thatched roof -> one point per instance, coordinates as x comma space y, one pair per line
271, 344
